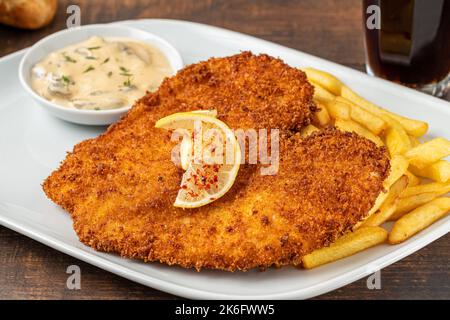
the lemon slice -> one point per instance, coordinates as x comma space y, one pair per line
211, 158
186, 146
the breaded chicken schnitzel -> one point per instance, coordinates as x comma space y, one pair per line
120, 187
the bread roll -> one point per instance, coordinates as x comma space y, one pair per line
27, 14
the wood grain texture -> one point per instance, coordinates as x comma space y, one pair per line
326, 28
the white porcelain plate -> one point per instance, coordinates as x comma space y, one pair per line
32, 143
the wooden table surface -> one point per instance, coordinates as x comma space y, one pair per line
326, 28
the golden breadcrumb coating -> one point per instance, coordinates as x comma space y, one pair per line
120, 187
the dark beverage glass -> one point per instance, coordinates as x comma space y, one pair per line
409, 43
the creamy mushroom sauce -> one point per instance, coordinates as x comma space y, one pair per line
100, 73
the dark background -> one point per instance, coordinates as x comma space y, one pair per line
326, 28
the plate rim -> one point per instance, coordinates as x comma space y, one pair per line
189, 292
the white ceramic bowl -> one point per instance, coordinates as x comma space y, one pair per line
67, 37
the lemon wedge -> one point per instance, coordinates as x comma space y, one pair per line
210, 154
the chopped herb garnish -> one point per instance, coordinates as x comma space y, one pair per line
105, 61
127, 83
69, 59
91, 58
94, 48
110, 74
124, 70
90, 68
96, 108
66, 80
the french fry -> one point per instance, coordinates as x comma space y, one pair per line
321, 94
408, 204
364, 117
349, 94
306, 131
399, 166
351, 126
428, 153
415, 205
326, 80
396, 138
425, 188
412, 179
338, 110
333, 85
397, 141
419, 219
389, 205
413, 127
414, 141
321, 117
345, 246
438, 171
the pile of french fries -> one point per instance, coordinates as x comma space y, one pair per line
419, 178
